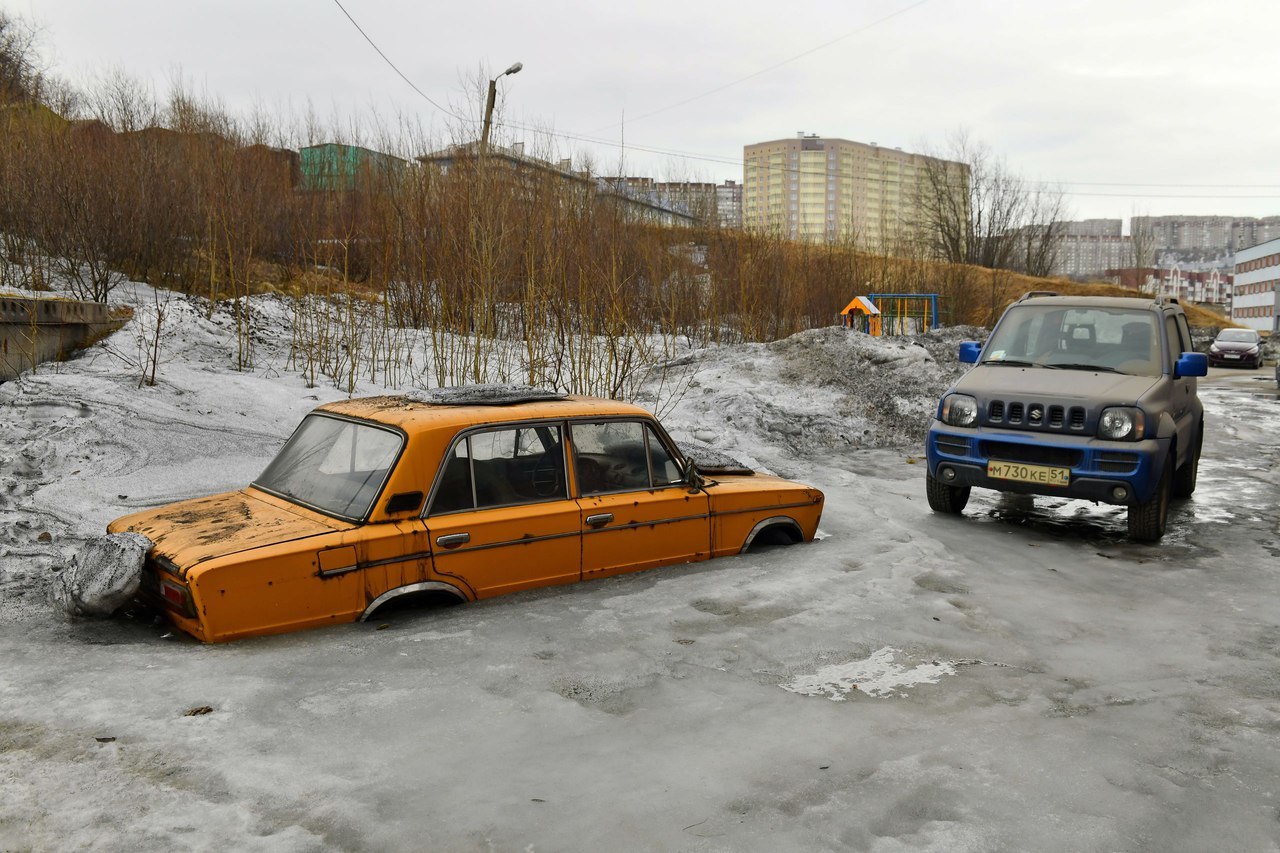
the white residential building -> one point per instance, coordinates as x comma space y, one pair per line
1257, 279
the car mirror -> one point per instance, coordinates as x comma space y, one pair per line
1191, 364
692, 476
970, 351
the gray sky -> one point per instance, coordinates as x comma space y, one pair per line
1154, 106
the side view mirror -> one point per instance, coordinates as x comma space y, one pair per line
970, 351
1191, 364
692, 475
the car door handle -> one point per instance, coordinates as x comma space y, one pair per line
453, 540
599, 520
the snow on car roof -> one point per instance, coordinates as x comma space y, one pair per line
484, 395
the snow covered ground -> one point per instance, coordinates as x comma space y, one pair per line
1020, 678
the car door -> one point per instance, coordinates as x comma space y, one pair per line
637, 511
500, 518
1184, 397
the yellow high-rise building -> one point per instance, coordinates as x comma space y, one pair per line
835, 190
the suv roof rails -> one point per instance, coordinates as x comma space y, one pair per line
1030, 294
1168, 300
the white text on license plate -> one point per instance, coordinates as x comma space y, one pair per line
1024, 473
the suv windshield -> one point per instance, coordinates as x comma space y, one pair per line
333, 465
1119, 340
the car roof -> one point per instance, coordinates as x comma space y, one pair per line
1131, 302
416, 415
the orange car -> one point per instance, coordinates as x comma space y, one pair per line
460, 494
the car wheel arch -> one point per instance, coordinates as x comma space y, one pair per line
772, 526
444, 589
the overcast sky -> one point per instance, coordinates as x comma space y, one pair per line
1158, 106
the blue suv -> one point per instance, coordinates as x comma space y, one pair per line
1075, 396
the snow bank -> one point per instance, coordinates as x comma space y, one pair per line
103, 575
817, 391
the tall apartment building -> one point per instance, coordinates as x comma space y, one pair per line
1086, 256
827, 190
1207, 235
1090, 228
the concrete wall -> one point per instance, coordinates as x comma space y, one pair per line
37, 330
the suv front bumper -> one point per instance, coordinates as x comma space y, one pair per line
1097, 467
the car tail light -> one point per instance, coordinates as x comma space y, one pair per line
178, 597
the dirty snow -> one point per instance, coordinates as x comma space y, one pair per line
1121, 697
103, 575
879, 675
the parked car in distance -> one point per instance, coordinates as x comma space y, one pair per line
458, 495
1236, 348
1075, 396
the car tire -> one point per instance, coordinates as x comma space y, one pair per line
1147, 520
944, 498
1184, 479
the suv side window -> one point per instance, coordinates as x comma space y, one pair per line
1184, 333
1175, 342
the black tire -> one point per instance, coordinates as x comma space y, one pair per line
1184, 479
1147, 520
944, 498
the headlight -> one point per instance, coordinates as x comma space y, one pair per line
959, 410
1213, 347
1253, 350
1122, 424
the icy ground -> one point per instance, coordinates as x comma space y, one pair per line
1020, 678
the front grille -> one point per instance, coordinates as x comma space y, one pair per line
1034, 454
952, 444
1024, 415
1117, 463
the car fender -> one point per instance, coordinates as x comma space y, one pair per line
408, 589
784, 521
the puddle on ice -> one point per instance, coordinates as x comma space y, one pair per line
877, 676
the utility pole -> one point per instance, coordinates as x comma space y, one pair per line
488, 106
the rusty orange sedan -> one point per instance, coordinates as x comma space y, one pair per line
459, 494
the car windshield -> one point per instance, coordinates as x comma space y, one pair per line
336, 466
1238, 336
1115, 340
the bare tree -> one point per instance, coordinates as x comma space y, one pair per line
1142, 246
972, 209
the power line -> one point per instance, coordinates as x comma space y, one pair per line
772, 67
797, 171
387, 60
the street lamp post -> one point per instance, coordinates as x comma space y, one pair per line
488, 106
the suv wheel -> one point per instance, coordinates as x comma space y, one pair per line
1184, 479
1147, 520
944, 498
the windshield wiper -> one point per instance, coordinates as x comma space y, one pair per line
1099, 367
1012, 362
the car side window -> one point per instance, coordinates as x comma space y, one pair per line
502, 467
1184, 334
619, 456
1171, 333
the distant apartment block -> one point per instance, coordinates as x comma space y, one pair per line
1085, 256
1207, 235
706, 202
1254, 291
1090, 228
1201, 286
636, 198
828, 190
333, 166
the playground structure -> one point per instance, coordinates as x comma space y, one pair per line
881, 314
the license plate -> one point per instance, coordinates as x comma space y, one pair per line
1023, 473
1232, 355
